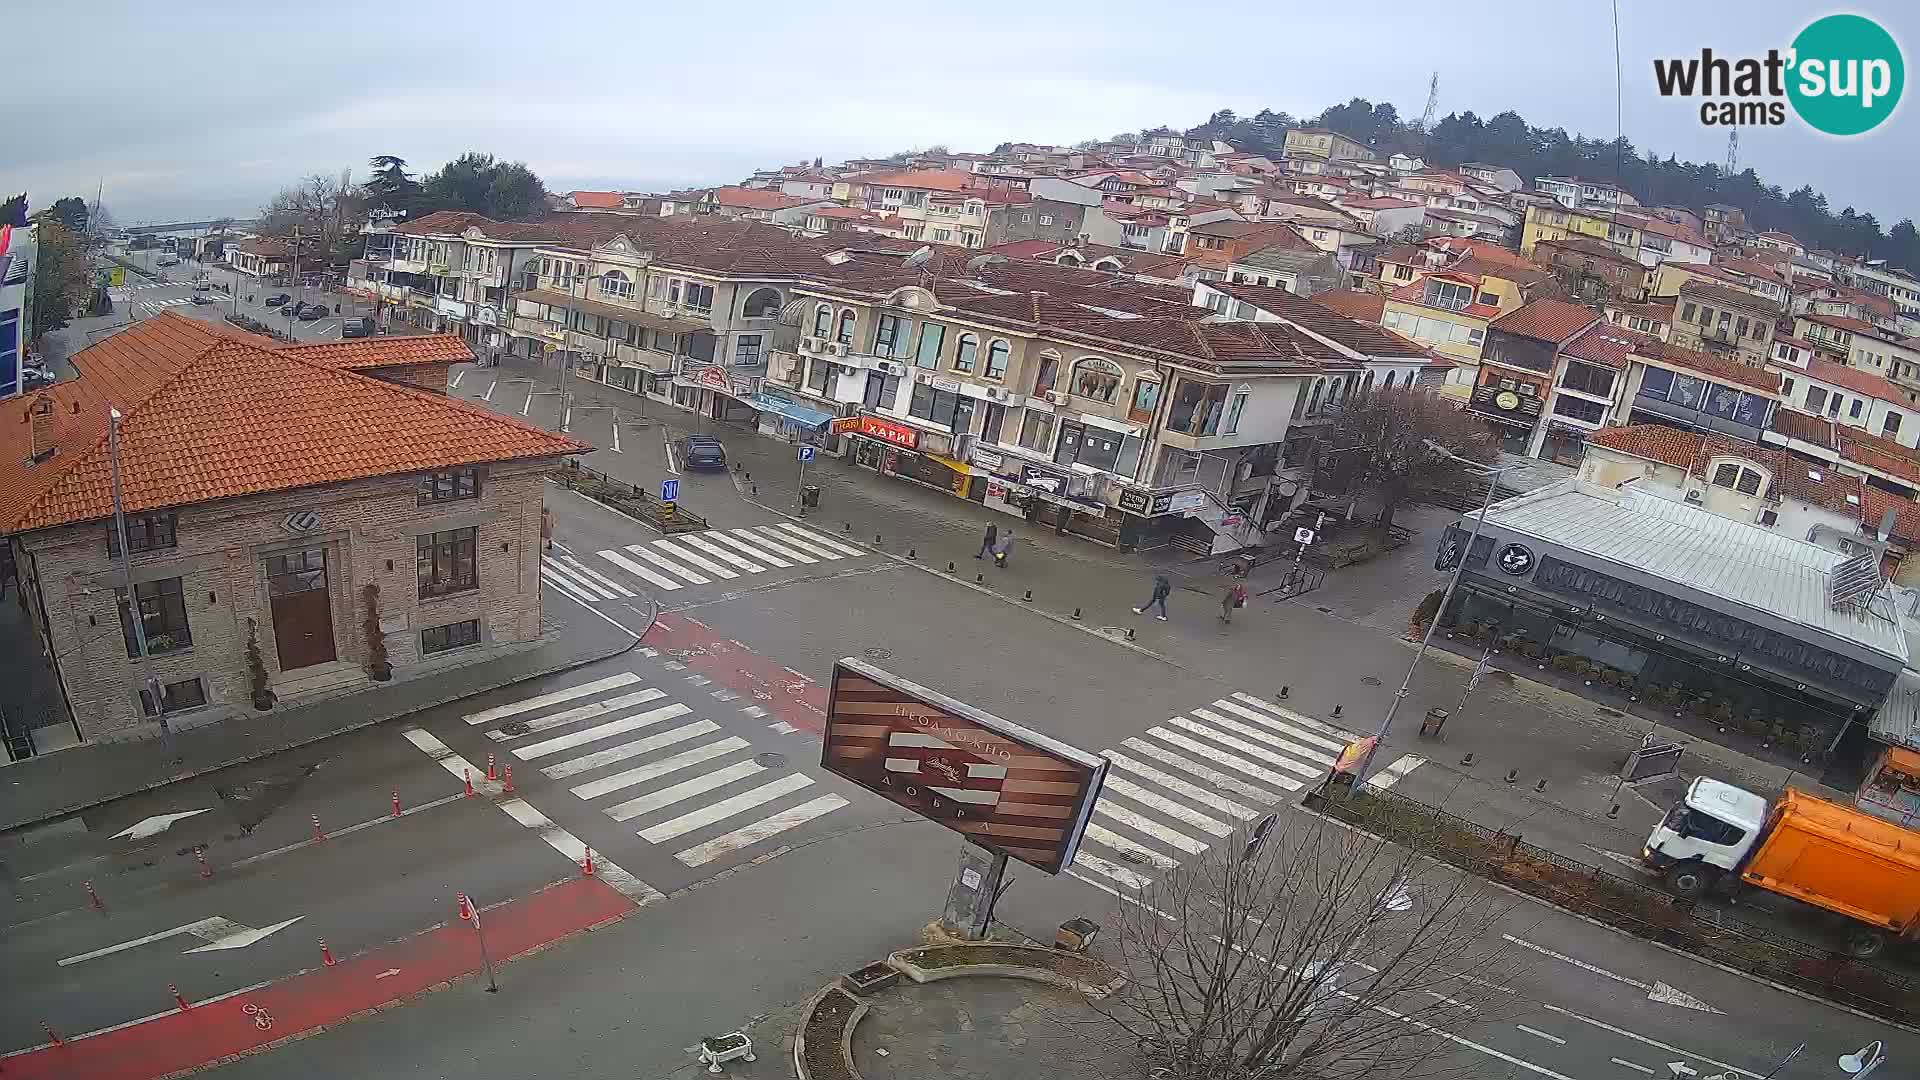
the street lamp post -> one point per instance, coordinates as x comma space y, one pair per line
1864, 1060
1453, 582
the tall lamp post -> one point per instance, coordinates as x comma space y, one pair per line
1864, 1060
1453, 582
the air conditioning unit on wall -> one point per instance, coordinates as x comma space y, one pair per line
1057, 397
839, 348
890, 367
809, 344
995, 393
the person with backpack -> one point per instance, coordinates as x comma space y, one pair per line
1162, 588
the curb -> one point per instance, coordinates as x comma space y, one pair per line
846, 1033
465, 692
1598, 925
920, 975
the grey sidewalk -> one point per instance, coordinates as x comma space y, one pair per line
52, 785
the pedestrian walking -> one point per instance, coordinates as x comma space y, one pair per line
1162, 588
1002, 547
1233, 596
987, 542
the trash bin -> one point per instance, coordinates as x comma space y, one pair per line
1434, 721
810, 496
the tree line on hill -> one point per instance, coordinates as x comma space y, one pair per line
1507, 139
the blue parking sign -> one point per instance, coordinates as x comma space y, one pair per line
669, 490
806, 455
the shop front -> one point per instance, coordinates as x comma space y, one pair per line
714, 392
781, 417
1149, 519
1600, 587
923, 457
1067, 502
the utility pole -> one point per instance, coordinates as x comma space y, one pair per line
146, 686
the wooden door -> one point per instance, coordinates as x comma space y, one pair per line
302, 608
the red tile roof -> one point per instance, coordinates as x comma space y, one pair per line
597, 200
1353, 303
1843, 322
1318, 319
355, 355
1711, 366
934, 179
1906, 512
211, 414
1606, 344
1854, 379
1875, 452
1807, 428
1545, 320
1655, 442
755, 198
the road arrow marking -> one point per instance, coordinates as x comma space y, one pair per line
236, 936
155, 825
1656, 991
387, 974
1680, 1068
222, 933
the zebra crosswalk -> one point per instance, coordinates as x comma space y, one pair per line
702, 558
1191, 782
681, 780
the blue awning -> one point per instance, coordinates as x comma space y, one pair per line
811, 419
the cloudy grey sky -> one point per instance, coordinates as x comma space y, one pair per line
205, 107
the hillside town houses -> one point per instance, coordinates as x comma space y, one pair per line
1145, 342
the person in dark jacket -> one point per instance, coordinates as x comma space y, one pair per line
1162, 588
987, 542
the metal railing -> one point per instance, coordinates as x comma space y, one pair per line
1628, 904
627, 498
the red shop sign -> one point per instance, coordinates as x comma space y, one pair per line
714, 376
897, 434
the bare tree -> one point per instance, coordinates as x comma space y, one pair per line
321, 210
1382, 445
1315, 952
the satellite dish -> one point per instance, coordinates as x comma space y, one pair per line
919, 258
974, 264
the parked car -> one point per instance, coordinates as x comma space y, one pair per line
702, 452
360, 326
169, 261
201, 298
278, 299
313, 313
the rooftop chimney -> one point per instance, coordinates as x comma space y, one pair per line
40, 419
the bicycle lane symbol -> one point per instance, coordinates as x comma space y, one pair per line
262, 1019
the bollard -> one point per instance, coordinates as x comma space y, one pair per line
755, 487
467, 776
1542, 785
1284, 691
178, 998
749, 476
1613, 811
949, 568
1512, 775
51, 1035
979, 579
876, 538
1467, 761
326, 954
586, 864
846, 526
1336, 710
913, 553
1129, 633
1029, 595
206, 868
318, 833
507, 781
93, 898
492, 774
1076, 614
396, 804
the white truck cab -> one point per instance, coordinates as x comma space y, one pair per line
1711, 830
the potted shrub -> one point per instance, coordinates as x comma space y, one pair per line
263, 696
1566, 664
377, 665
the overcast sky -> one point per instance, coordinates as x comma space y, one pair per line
204, 108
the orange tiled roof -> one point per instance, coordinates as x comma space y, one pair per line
1545, 320
1655, 442
211, 414
1876, 452
355, 355
1854, 379
1353, 303
597, 200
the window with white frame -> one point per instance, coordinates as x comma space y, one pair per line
747, 349
1096, 379
617, 285
823, 320
1046, 219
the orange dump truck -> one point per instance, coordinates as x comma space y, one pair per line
1814, 851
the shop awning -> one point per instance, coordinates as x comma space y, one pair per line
960, 467
811, 419
555, 298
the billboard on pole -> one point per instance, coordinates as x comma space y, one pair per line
1003, 786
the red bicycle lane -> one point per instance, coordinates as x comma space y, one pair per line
784, 693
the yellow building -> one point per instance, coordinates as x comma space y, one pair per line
1325, 145
1559, 223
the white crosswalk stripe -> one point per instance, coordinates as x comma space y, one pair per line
693, 559
1196, 778
617, 747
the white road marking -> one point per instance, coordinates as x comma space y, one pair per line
454, 383
1178, 786
616, 435
777, 543
1245, 747
1299, 718
639, 571
1541, 1034
698, 560
602, 731
1305, 735
1655, 1043
1219, 779
1294, 751
1113, 871
748, 835
672, 465
1106, 837
682, 791
1107, 808
1630, 1065
633, 748
722, 553
737, 543
755, 711
1215, 754
555, 837
819, 539
584, 712
781, 727
1656, 991
157, 824
515, 708
655, 769
550, 565
798, 543
1120, 785
726, 808
671, 567
218, 932
1391, 775
597, 577
529, 402
564, 586
488, 396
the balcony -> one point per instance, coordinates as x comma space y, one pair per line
551, 333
